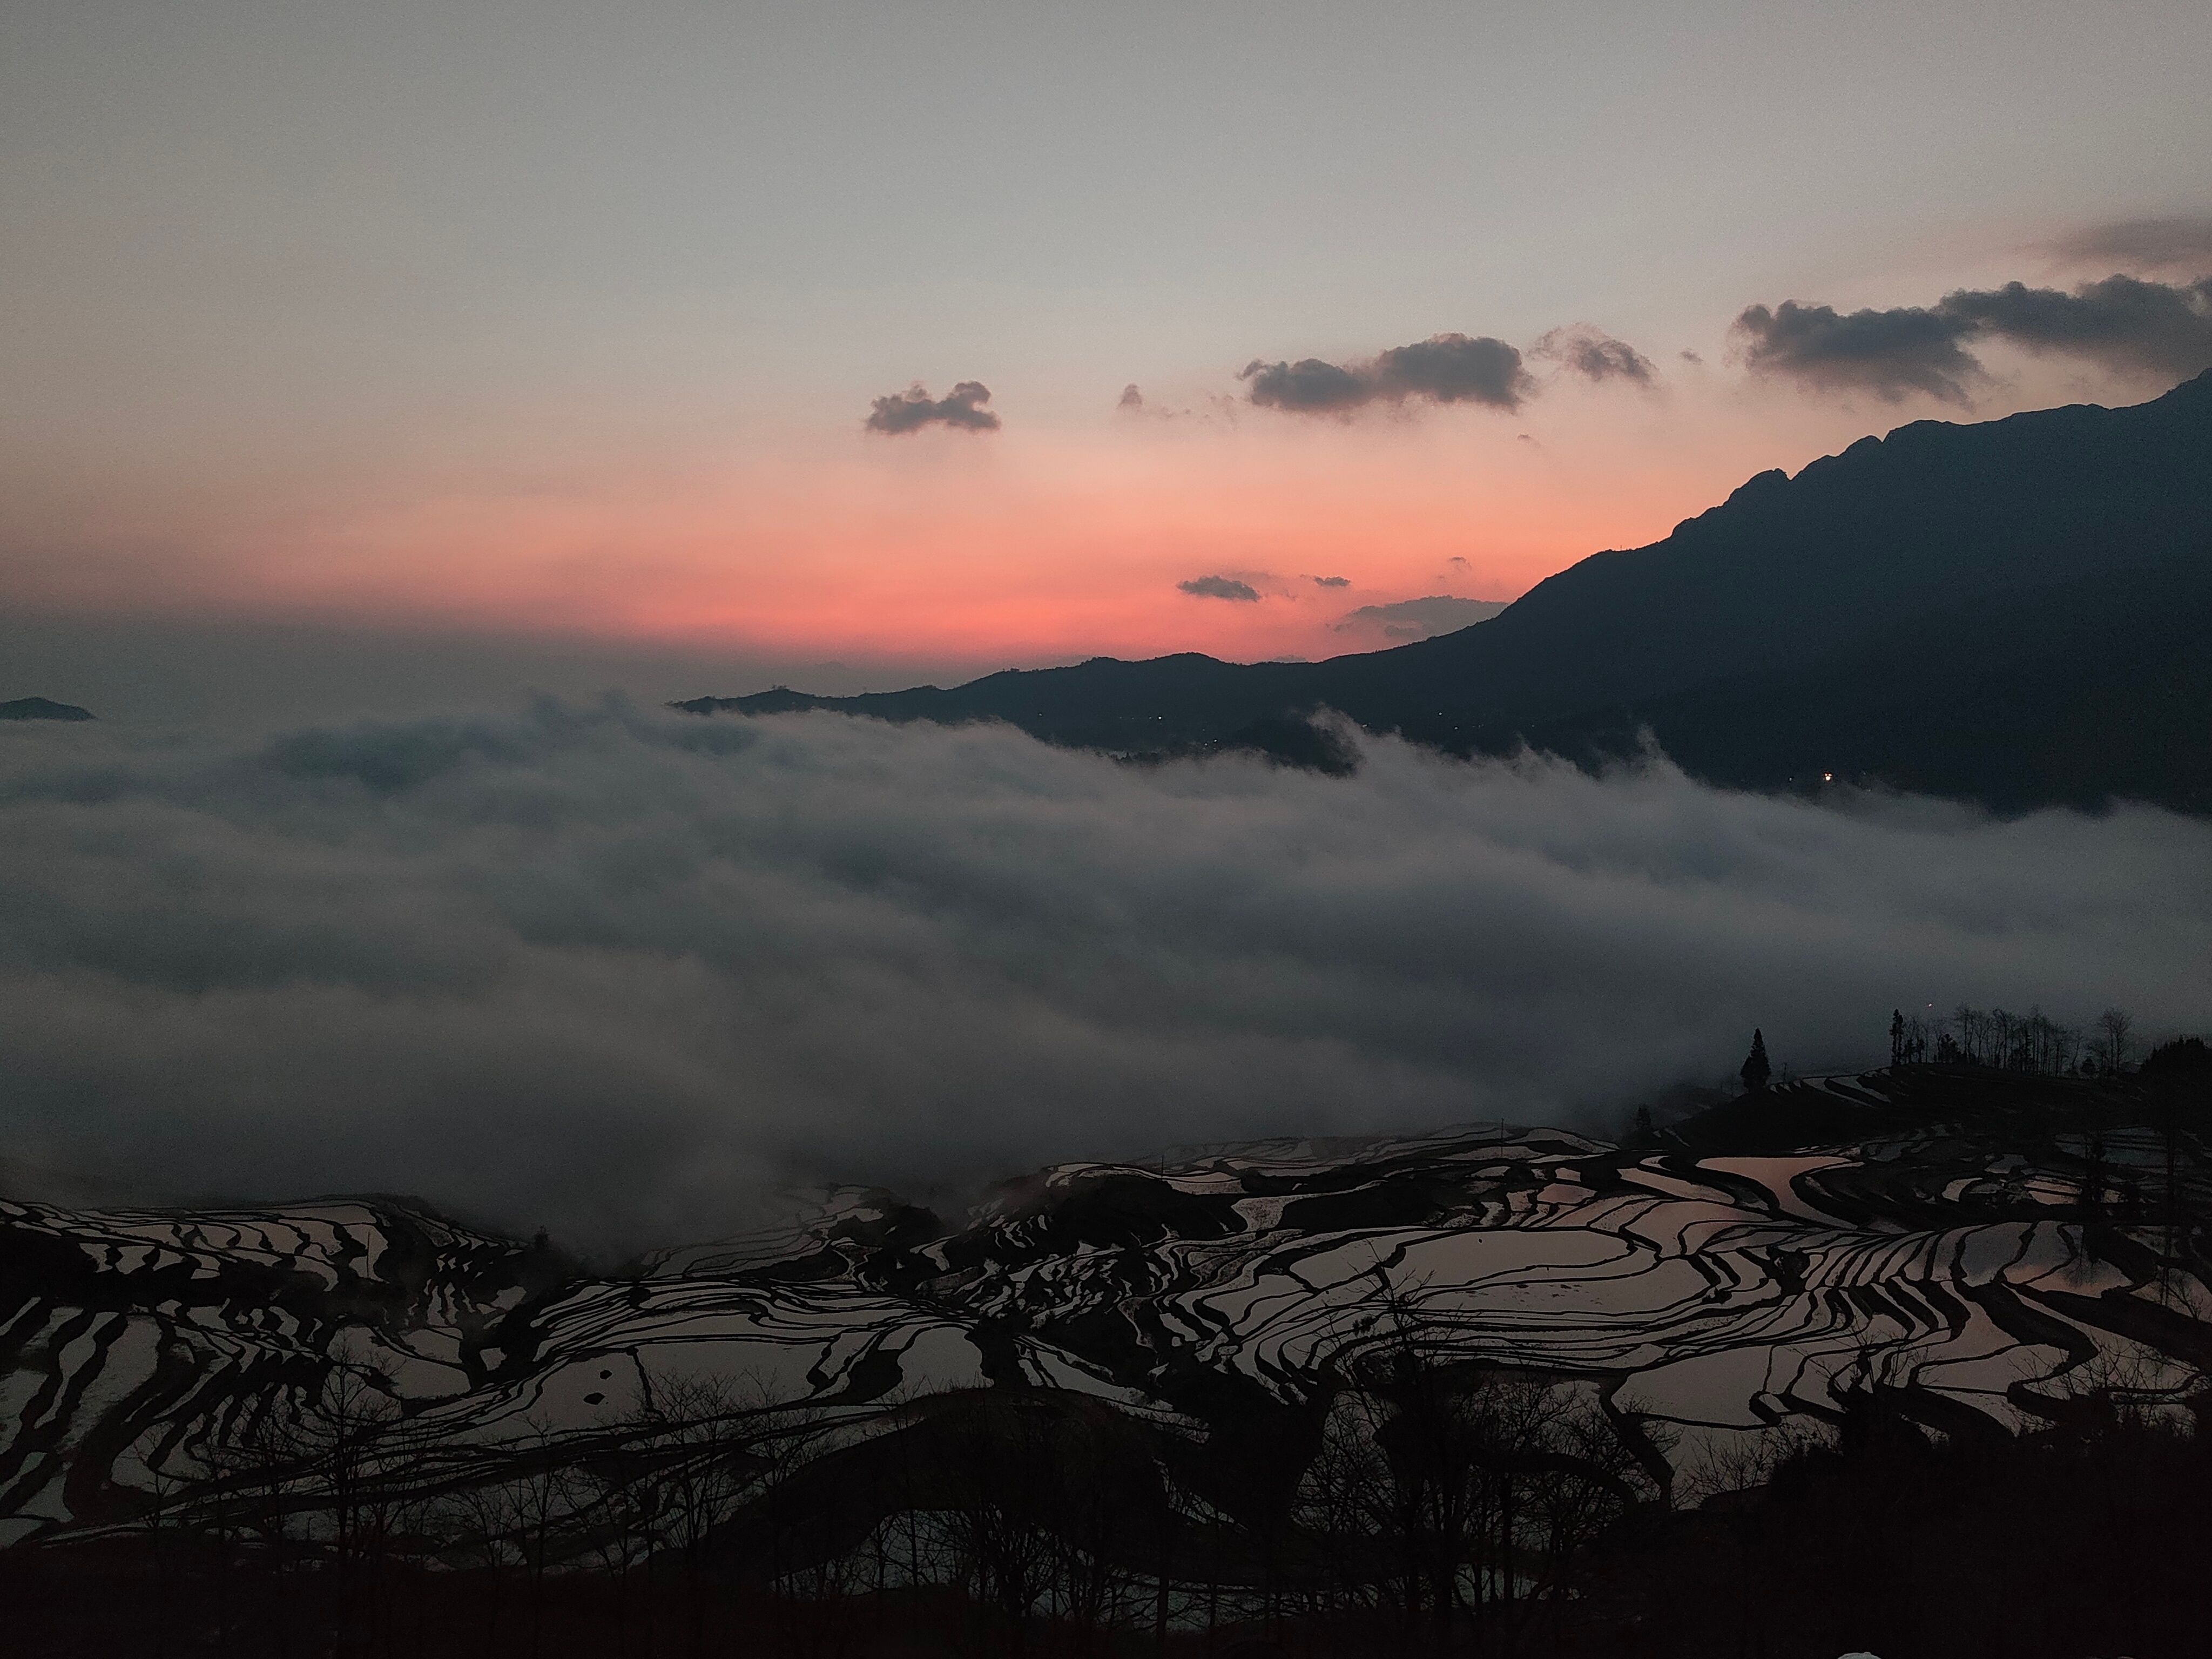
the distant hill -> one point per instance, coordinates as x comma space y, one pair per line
2015, 611
42, 708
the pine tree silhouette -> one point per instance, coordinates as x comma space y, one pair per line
1756, 1070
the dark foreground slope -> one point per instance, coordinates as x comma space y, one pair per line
1906, 1361
2017, 611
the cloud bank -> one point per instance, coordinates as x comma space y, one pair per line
1445, 368
1218, 587
1892, 354
2179, 243
604, 968
1590, 352
912, 410
2120, 323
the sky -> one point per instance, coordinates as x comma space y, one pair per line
360, 356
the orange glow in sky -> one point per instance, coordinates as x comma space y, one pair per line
998, 548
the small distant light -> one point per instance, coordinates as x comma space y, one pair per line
1827, 777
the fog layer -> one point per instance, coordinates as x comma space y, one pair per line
611, 970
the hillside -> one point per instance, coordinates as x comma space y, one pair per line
1874, 1325
1969, 1240
2013, 611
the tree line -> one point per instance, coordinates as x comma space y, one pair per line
1996, 1037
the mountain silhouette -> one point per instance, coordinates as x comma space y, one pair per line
42, 708
2014, 611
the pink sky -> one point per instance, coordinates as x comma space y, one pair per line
988, 550
405, 317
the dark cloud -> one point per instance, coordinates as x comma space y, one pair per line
1594, 355
1133, 404
2122, 323
2181, 244
1218, 587
1307, 386
1331, 582
913, 409
1452, 369
1892, 354
604, 969
1445, 368
1419, 619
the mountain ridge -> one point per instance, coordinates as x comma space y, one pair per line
1925, 528
42, 708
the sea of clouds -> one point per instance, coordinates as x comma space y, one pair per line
611, 970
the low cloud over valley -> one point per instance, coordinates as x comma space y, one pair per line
610, 970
